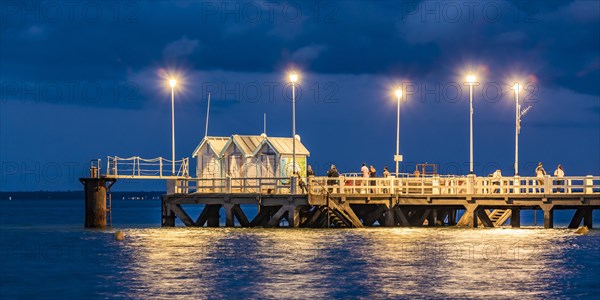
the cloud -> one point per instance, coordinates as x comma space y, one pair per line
511, 37
180, 47
35, 32
308, 53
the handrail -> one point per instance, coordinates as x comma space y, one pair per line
136, 166
463, 185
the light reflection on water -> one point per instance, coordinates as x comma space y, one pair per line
380, 263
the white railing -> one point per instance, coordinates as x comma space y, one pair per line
275, 185
456, 185
447, 185
137, 167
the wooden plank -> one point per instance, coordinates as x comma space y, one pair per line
400, 216
229, 221
274, 221
484, 217
239, 214
352, 216
182, 215
389, 217
515, 217
469, 218
587, 218
577, 217
314, 217
262, 216
548, 215
203, 216
424, 216
372, 216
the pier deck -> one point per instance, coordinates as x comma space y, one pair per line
358, 202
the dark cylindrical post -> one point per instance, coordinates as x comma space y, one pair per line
95, 201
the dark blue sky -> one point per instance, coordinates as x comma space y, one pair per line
86, 79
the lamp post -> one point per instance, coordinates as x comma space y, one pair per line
517, 88
293, 79
172, 83
471, 82
397, 157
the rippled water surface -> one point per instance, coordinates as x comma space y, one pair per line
45, 252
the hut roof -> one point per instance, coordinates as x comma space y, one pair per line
246, 143
284, 145
249, 145
216, 143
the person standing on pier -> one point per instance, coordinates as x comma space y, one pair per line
386, 174
333, 172
301, 183
540, 173
365, 174
372, 174
309, 171
559, 174
496, 178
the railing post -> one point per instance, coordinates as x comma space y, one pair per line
391, 183
589, 184
470, 181
547, 184
435, 183
341, 184
293, 184
517, 185
228, 184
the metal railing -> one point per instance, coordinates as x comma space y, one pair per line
274, 185
137, 167
456, 185
434, 185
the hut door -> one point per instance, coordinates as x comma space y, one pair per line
267, 165
234, 165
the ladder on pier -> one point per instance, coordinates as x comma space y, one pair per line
499, 216
109, 208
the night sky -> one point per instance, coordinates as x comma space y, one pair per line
83, 80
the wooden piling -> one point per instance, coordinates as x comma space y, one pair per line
95, 200
548, 215
515, 217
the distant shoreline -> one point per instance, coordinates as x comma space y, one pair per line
65, 195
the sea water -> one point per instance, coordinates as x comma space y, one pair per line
45, 252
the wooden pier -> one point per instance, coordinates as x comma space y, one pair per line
353, 202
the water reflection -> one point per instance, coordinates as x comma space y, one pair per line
380, 263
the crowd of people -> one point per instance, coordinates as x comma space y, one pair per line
371, 172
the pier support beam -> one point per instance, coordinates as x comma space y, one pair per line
587, 218
548, 215
469, 218
168, 217
95, 200
515, 217
582, 214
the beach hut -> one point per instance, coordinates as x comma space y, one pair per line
237, 156
274, 157
248, 156
208, 155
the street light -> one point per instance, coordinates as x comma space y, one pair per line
517, 88
471, 81
172, 83
293, 79
397, 157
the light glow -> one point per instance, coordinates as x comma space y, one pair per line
172, 83
517, 87
471, 79
293, 77
398, 93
